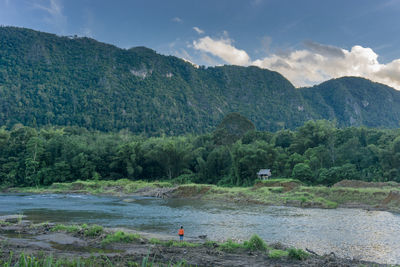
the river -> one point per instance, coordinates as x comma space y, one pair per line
349, 233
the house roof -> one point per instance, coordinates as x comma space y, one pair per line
264, 172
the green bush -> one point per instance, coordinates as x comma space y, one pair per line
93, 231
255, 243
119, 237
297, 254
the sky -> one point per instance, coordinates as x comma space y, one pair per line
307, 41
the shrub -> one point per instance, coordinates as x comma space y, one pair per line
93, 230
255, 243
297, 254
302, 172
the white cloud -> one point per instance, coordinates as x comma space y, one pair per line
312, 65
223, 49
176, 19
198, 30
54, 10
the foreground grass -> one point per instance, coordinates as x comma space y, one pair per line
42, 260
289, 192
255, 243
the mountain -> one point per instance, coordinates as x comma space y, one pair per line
353, 101
46, 79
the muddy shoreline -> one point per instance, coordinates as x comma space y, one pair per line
21, 236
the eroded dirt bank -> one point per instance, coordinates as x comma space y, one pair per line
20, 236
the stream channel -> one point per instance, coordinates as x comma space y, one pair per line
349, 233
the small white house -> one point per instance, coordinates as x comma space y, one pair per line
264, 174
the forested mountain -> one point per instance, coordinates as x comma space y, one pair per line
355, 101
50, 80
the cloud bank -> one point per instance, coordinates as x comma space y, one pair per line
313, 64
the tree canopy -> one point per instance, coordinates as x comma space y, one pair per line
315, 153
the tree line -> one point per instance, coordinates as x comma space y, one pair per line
315, 153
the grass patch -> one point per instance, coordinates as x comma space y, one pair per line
183, 244
297, 254
172, 243
231, 246
277, 253
279, 180
94, 187
66, 228
27, 260
88, 231
155, 241
44, 260
93, 230
210, 244
120, 237
255, 243
4, 223
344, 195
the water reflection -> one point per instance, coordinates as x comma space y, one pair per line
352, 233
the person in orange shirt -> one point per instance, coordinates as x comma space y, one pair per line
181, 233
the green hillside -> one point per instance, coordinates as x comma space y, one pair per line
355, 101
46, 79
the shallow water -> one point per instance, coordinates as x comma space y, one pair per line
351, 233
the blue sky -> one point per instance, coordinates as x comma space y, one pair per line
308, 41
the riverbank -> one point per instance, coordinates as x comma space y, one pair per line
279, 192
78, 245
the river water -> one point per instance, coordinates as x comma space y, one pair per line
350, 233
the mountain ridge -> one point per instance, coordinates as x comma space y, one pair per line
46, 79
